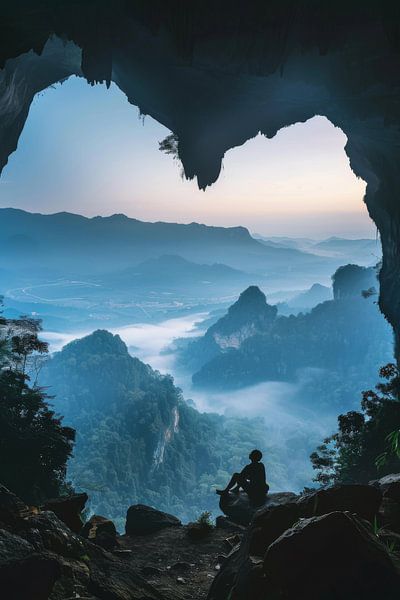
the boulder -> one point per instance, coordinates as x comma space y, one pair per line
100, 531
389, 515
45, 531
68, 509
364, 500
25, 573
239, 509
242, 568
222, 522
41, 558
142, 519
12, 509
235, 563
389, 486
334, 556
268, 524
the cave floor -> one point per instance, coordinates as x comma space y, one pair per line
179, 568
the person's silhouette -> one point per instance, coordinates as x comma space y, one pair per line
251, 479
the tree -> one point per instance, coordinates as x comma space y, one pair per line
366, 443
34, 445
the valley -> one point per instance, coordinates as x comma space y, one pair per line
180, 314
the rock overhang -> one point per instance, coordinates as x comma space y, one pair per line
217, 74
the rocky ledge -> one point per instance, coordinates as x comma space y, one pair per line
42, 558
339, 543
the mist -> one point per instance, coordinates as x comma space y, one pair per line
292, 430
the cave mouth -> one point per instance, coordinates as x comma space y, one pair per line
217, 85
84, 150
216, 82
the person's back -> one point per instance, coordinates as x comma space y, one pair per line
255, 474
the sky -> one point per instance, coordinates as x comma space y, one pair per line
86, 150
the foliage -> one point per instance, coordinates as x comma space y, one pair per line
138, 441
351, 280
366, 443
205, 520
169, 145
34, 445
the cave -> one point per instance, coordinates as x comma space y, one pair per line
216, 76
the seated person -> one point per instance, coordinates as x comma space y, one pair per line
252, 480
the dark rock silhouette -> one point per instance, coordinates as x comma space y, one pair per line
224, 523
41, 558
297, 530
389, 516
100, 531
141, 520
336, 556
68, 509
282, 553
361, 499
389, 486
24, 572
269, 523
240, 510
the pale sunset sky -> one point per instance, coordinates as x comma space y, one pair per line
85, 150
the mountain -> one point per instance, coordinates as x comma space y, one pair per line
172, 271
338, 244
362, 251
316, 294
351, 280
301, 243
305, 301
138, 441
69, 244
339, 345
248, 316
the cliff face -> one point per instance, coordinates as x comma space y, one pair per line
217, 75
248, 316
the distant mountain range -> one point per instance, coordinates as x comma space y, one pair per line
172, 271
75, 245
363, 251
305, 301
69, 269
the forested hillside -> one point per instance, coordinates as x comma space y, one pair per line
340, 344
137, 439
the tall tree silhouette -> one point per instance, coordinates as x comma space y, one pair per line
34, 445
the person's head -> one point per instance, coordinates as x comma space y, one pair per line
255, 455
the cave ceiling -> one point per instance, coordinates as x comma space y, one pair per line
218, 73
